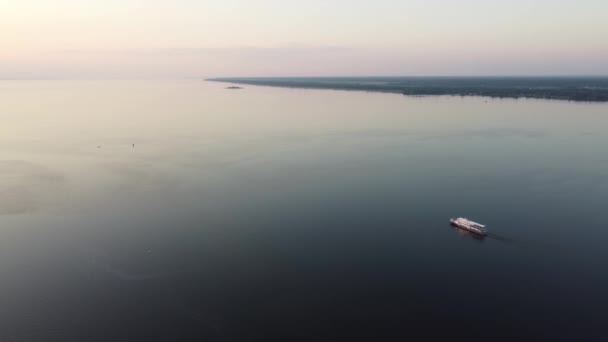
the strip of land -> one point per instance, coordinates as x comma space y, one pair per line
585, 89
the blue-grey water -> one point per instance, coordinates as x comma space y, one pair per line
183, 211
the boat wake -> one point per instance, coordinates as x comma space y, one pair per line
500, 238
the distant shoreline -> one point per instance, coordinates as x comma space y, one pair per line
578, 89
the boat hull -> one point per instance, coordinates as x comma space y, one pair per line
469, 228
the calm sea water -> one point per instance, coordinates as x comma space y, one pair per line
182, 211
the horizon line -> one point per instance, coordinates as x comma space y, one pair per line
422, 76
117, 78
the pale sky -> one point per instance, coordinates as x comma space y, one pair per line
206, 38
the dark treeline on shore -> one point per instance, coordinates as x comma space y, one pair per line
591, 89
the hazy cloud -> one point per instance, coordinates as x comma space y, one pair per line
300, 60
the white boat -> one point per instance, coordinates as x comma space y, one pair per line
469, 225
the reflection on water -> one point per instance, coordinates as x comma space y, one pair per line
25, 186
282, 214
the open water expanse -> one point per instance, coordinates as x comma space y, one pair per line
183, 211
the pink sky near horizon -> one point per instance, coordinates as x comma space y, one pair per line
186, 38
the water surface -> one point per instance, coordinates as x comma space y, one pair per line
179, 211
